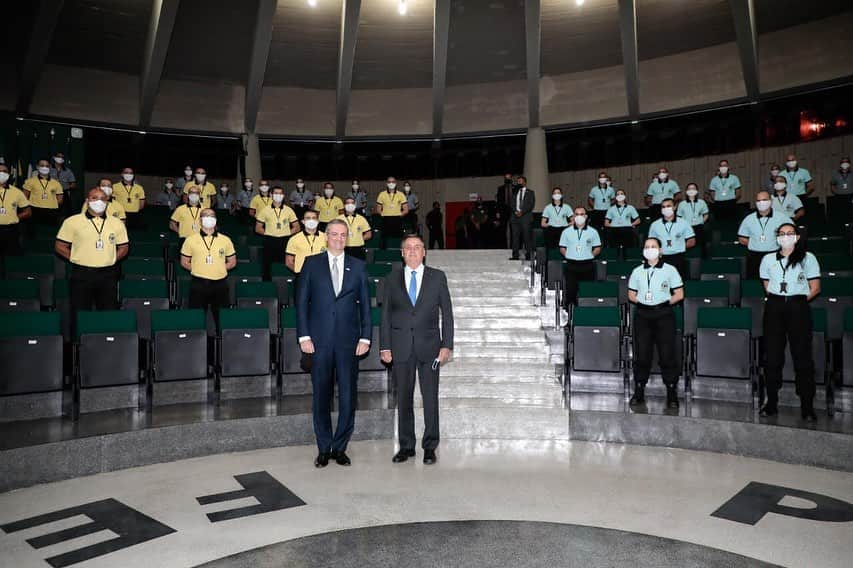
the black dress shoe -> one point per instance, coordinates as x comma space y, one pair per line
769, 410
403, 455
514, 258
341, 458
639, 397
808, 414
429, 457
322, 459
671, 398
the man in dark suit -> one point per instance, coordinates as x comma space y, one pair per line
334, 325
521, 222
503, 207
410, 337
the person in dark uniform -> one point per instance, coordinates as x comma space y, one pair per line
434, 223
791, 278
521, 222
504, 205
655, 287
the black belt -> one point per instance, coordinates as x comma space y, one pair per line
207, 280
794, 298
657, 307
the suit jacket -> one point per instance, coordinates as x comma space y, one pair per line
526, 206
333, 321
405, 327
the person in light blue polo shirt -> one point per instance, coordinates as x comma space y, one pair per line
600, 199
621, 222
724, 191
694, 210
675, 234
799, 179
655, 287
659, 189
579, 245
842, 181
757, 232
785, 203
792, 279
555, 218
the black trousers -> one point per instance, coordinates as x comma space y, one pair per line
92, 289
209, 294
10, 240
273, 253
677, 260
575, 271
436, 239
392, 227
522, 236
552, 237
411, 221
403, 373
699, 231
42, 216
753, 264
725, 210
655, 326
136, 220
625, 237
596, 218
788, 321
334, 364
654, 212
356, 252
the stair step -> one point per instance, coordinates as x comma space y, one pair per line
502, 423
496, 310
479, 368
493, 301
469, 335
502, 351
498, 323
503, 393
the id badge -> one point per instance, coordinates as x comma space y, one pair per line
44, 195
208, 259
128, 199
195, 227
783, 287
648, 296
99, 245
351, 235
762, 238
278, 226
2, 210
579, 249
669, 242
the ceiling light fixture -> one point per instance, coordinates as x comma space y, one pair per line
312, 3
402, 8
579, 2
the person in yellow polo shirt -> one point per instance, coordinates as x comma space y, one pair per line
207, 191
392, 205
186, 220
94, 243
275, 223
261, 201
14, 207
44, 194
131, 195
308, 242
329, 206
114, 208
208, 255
358, 229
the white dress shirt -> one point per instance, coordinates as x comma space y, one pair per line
419, 278
519, 199
331, 258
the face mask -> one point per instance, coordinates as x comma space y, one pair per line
391, 186
200, 178
355, 187
98, 206
580, 220
845, 165
328, 192
692, 193
787, 241
724, 170
557, 196
774, 173
4, 177
312, 224
188, 172
663, 176
349, 207
300, 185
208, 222
223, 189
59, 160
264, 188
651, 253
127, 177
779, 186
762, 205
620, 198
407, 188
108, 189
43, 170
792, 164
666, 211
193, 198
277, 198
602, 181
170, 185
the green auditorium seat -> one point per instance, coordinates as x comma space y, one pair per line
31, 348
144, 297
594, 341
244, 348
285, 284
144, 269
179, 345
37, 267
19, 296
243, 272
723, 270
289, 353
107, 348
389, 256
836, 295
836, 266
702, 294
262, 295
722, 349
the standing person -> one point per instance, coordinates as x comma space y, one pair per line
694, 210
207, 190
478, 228
360, 197
800, 182
334, 326
131, 195
600, 199
785, 203
435, 226
93, 243
261, 201
555, 218
208, 255
170, 197
307, 242
461, 228
724, 191
504, 203
414, 204
225, 201
676, 236
186, 219
301, 199
244, 201
521, 222
842, 182
358, 229
114, 207
45, 195
579, 245
14, 208
60, 172
655, 286
411, 341
187, 178
768, 182
757, 231
659, 189
791, 279
621, 222
275, 224
392, 206
329, 206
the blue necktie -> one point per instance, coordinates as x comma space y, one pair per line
413, 287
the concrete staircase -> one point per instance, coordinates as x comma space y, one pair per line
500, 383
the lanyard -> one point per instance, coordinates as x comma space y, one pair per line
603, 194
311, 242
198, 212
649, 273
266, 200
327, 202
44, 184
621, 211
350, 222
764, 226
278, 211
782, 200
668, 230
3, 197
580, 234
97, 230
210, 246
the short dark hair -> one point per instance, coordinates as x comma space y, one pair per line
671, 200
655, 239
409, 237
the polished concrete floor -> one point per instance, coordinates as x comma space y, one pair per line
191, 512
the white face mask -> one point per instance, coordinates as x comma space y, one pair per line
651, 253
580, 220
787, 241
845, 165
774, 173
188, 172
620, 198
724, 170
791, 164
4, 177
108, 189
44, 170
264, 188
763, 205
666, 211
312, 224
391, 185
692, 193
349, 207
779, 186
59, 160
328, 192
223, 189
355, 187
407, 188
602, 181
300, 185
557, 196
98, 206
208, 222
169, 185
127, 177
248, 185
277, 198
193, 198
662, 176
200, 178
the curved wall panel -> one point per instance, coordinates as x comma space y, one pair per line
297, 111
199, 106
390, 111
87, 94
486, 106
584, 96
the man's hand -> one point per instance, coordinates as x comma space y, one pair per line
385, 356
307, 346
518, 213
361, 348
443, 355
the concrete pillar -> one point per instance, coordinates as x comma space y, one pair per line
536, 166
253, 156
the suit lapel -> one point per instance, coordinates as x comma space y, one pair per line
347, 269
422, 287
327, 273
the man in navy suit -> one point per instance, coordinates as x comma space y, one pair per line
334, 325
